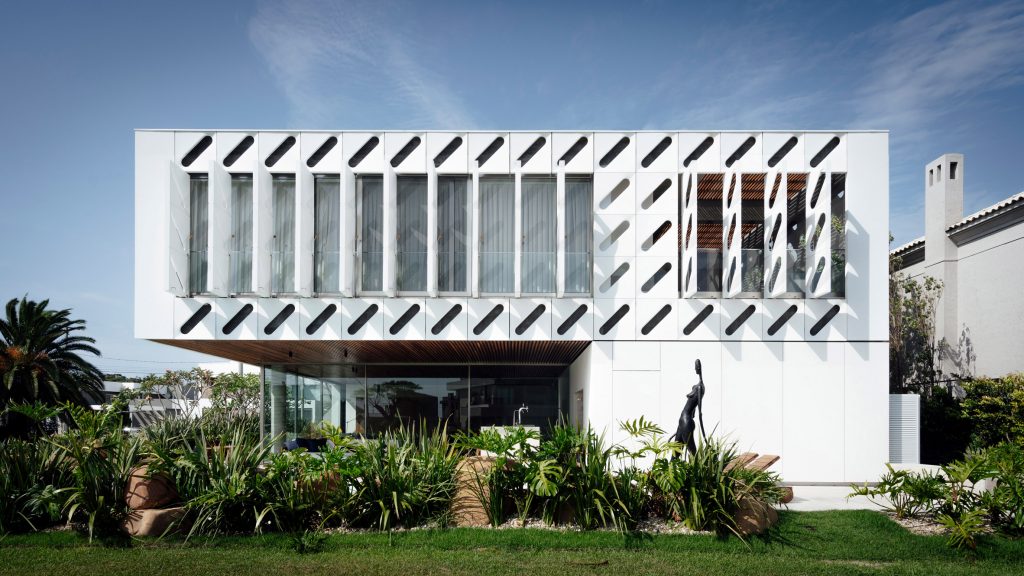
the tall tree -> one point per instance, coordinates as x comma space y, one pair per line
41, 356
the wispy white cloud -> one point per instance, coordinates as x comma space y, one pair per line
333, 61
930, 63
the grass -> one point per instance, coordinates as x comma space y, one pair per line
848, 542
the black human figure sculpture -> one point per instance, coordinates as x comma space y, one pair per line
694, 404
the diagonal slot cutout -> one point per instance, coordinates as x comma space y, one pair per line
656, 319
237, 319
572, 319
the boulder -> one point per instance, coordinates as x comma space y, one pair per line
146, 491
754, 517
467, 508
153, 522
787, 494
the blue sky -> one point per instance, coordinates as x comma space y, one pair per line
80, 76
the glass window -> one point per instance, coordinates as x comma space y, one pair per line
497, 231
539, 229
579, 237
412, 233
838, 236
408, 395
282, 255
709, 234
327, 234
752, 230
198, 235
452, 233
498, 392
241, 233
370, 190
297, 398
796, 233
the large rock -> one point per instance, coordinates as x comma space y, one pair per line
754, 517
146, 492
153, 522
467, 508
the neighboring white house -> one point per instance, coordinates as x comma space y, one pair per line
384, 277
978, 259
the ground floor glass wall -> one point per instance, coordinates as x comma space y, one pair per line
369, 399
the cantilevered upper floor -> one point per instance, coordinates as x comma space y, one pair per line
277, 235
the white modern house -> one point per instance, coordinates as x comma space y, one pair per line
385, 277
979, 318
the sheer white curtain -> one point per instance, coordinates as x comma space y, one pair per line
538, 255
283, 252
452, 226
579, 237
497, 229
327, 235
241, 234
199, 230
412, 233
371, 198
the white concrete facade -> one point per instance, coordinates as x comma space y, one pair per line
802, 375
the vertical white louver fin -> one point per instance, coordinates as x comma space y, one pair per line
819, 234
776, 224
178, 230
732, 233
688, 224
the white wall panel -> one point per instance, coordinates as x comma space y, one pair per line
498, 162
454, 328
614, 235
817, 327
739, 322
416, 161
540, 161
412, 313
614, 278
709, 160
614, 319
634, 394
278, 319
526, 322
496, 329
623, 161
564, 310
835, 161
583, 161
665, 161
457, 162
328, 327
812, 423
752, 396
288, 163
793, 160
185, 309
178, 230
866, 421
648, 272
614, 193
656, 319
352, 311
657, 193
749, 161
329, 162
236, 318
699, 319
783, 319
373, 162
867, 236
154, 303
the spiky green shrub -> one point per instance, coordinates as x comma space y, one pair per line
219, 478
101, 458
34, 477
585, 484
905, 493
406, 477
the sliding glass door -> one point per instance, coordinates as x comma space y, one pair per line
327, 234
370, 191
412, 233
539, 217
579, 236
497, 234
283, 247
199, 233
452, 233
241, 234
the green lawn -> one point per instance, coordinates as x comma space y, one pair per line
854, 542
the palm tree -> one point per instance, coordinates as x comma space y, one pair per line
40, 357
